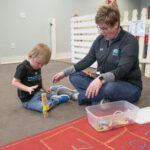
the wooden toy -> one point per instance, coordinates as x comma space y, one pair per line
89, 74
45, 105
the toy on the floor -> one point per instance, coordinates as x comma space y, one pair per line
45, 105
107, 125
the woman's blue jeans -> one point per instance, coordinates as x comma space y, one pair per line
114, 91
35, 103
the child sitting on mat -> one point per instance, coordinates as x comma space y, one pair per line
28, 80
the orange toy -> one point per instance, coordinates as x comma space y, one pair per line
45, 105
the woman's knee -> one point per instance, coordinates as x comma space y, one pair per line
108, 89
73, 77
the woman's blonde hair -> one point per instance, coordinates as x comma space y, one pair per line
41, 51
107, 14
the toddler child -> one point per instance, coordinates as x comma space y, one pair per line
28, 80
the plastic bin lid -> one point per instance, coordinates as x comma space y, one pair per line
143, 115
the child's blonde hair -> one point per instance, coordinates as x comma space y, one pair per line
41, 50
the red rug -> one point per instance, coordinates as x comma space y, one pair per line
79, 135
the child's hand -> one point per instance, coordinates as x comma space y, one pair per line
48, 90
32, 88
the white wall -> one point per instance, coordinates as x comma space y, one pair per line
25, 33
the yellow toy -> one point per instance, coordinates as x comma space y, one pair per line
107, 125
45, 105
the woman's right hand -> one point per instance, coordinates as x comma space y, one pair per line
57, 77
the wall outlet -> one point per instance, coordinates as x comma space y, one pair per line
22, 15
12, 45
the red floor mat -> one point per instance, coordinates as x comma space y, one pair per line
79, 135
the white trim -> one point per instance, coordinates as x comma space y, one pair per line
8, 60
53, 37
62, 56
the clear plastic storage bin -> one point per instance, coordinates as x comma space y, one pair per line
111, 115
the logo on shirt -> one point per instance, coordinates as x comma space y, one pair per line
34, 78
115, 52
101, 49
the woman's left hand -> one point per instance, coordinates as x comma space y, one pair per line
94, 88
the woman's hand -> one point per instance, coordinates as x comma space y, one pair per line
57, 77
93, 88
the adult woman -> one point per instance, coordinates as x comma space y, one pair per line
116, 52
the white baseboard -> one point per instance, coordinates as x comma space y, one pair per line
8, 60
62, 56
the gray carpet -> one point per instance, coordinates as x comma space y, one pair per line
17, 123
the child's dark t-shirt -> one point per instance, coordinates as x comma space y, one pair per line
28, 77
